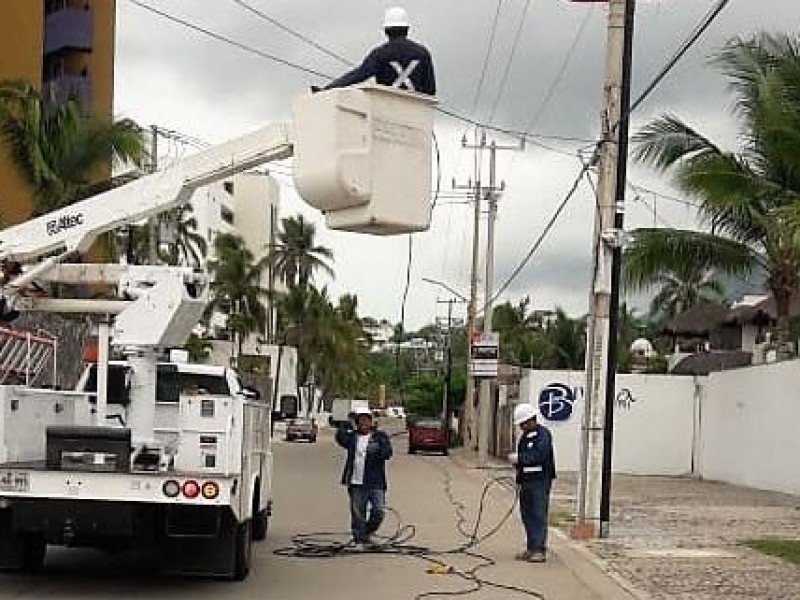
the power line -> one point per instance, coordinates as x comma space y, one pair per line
543, 235
701, 28
221, 38
510, 61
561, 72
486, 58
261, 15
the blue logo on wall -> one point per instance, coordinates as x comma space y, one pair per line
556, 402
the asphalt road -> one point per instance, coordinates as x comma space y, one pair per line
308, 499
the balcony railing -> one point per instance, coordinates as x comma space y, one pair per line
62, 88
68, 29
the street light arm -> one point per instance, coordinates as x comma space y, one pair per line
447, 287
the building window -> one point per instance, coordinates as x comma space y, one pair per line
226, 214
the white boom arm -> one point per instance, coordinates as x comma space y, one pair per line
76, 227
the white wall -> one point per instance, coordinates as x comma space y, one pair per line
654, 421
738, 426
749, 432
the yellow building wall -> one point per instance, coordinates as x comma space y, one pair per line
21, 57
21, 42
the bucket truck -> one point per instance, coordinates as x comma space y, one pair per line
175, 459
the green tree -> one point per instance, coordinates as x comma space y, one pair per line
236, 287
187, 247
749, 195
58, 149
680, 292
296, 255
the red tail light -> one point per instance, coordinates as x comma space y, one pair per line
191, 489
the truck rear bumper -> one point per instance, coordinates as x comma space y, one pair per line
30, 484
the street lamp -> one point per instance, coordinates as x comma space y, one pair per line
445, 286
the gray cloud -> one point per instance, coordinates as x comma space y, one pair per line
179, 79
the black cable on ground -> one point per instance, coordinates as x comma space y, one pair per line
330, 545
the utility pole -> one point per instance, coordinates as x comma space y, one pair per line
485, 403
470, 438
601, 360
448, 374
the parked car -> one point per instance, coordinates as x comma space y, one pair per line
396, 411
429, 435
301, 429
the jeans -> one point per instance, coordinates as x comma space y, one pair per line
360, 500
534, 504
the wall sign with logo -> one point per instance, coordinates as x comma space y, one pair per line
557, 401
484, 354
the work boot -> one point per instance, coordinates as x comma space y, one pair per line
528, 556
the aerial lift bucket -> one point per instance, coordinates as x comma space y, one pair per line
362, 156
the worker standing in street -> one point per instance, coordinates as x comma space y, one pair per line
400, 62
364, 474
536, 469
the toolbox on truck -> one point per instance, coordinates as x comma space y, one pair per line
88, 448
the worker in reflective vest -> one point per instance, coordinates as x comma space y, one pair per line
400, 62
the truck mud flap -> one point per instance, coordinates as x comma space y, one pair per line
202, 555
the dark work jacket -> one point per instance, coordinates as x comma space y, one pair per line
379, 451
535, 456
379, 64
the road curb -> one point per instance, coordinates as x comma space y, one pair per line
580, 560
584, 564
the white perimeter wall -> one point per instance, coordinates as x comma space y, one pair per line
750, 432
740, 426
655, 420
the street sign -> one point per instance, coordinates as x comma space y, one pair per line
485, 353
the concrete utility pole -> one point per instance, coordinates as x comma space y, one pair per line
448, 374
601, 363
470, 437
485, 403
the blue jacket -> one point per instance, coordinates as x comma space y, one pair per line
379, 451
400, 63
535, 456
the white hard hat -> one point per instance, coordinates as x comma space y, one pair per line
395, 16
362, 410
524, 412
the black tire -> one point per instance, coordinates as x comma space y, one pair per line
445, 452
313, 439
32, 551
412, 450
260, 525
244, 550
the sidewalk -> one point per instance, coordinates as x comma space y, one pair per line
571, 573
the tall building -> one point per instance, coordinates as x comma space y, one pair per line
246, 205
65, 48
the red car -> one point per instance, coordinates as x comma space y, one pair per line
429, 435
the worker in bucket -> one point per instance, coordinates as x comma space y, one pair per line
536, 469
364, 474
400, 62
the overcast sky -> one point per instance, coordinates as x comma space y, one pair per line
180, 79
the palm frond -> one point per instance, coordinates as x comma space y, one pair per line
658, 251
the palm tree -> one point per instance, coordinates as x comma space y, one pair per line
296, 256
187, 247
750, 196
58, 150
236, 287
680, 292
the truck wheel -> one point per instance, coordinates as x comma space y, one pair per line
260, 525
32, 551
412, 450
243, 549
